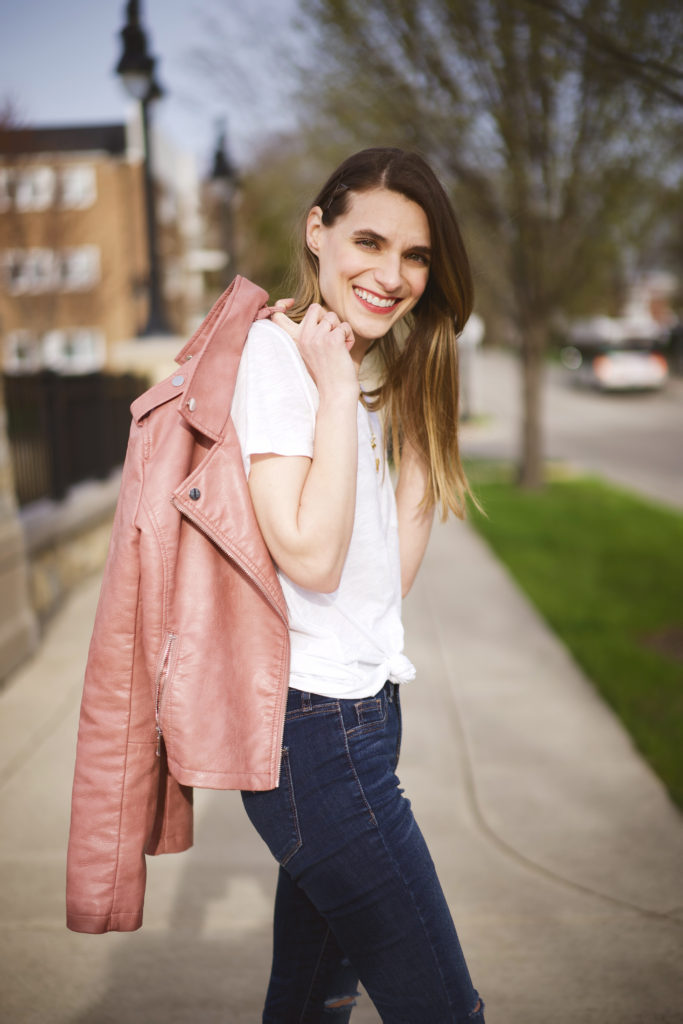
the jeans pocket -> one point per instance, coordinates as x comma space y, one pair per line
368, 715
273, 814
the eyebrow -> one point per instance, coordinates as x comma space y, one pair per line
424, 250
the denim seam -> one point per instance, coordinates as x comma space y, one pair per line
316, 709
366, 729
371, 704
293, 808
304, 1008
370, 726
397, 869
353, 770
399, 738
409, 891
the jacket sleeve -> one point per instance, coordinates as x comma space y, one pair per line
122, 794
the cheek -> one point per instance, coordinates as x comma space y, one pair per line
336, 269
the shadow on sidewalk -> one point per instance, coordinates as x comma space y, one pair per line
204, 950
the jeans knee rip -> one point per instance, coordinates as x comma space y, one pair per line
477, 1014
339, 1004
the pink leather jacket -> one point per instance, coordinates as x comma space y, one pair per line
187, 675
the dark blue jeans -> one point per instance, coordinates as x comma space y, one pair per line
358, 896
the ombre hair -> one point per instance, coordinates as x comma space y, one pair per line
418, 362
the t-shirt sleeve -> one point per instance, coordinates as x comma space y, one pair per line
275, 401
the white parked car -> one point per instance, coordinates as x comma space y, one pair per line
615, 354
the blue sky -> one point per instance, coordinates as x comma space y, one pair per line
57, 59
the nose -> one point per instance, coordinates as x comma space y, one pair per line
388, 273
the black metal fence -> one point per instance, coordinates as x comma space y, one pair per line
63, 430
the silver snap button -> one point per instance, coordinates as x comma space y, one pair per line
178, 380
192, 404
187, 358
195, 494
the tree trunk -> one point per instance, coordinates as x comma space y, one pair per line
531, 474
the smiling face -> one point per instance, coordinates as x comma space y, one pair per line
373, 261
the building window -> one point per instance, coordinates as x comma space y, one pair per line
69, 350
80, 268
22, 352
74, 350
13, 265
30, 270
77, 186
34, 188
75, 269
5, 189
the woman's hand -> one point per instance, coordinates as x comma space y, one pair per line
325, 343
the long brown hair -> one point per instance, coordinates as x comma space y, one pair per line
418, 390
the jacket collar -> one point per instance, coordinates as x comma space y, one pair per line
209, 361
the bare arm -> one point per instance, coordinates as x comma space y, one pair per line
305, 507
414, 524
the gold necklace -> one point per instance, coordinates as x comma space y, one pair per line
373, 439
373, 445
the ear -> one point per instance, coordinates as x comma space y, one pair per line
314, 225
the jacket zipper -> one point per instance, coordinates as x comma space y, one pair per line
255, 580
159, 685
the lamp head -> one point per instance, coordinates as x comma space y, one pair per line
136, 66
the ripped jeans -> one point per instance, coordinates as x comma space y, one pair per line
358, 896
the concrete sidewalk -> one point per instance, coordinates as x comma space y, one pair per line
558, 849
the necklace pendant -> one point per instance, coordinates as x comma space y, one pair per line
373, 445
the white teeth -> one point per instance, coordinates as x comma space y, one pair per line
375, 300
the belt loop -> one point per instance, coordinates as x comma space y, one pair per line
306, 703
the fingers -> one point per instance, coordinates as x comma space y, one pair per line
292, 328
349, 339
325, 343
344, 330
279, 307
326, 320
318, 323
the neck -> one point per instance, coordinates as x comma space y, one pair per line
359, 351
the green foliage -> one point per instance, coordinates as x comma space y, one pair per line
605, 569
270, 203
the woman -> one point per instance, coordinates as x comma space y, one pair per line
357, 895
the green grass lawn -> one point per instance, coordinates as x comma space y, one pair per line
605, 568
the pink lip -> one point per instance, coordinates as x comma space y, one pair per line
376, 309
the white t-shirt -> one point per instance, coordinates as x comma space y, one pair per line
347, 643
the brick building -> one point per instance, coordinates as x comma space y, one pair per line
73, 245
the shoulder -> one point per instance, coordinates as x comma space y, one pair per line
266, 337
272, 368
272, 358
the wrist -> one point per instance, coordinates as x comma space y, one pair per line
340, 398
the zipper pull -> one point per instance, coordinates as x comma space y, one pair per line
158, 728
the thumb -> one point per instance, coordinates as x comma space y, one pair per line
292, 328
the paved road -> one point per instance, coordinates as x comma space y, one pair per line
634, 439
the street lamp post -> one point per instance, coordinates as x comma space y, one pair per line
223, 184
136, 68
